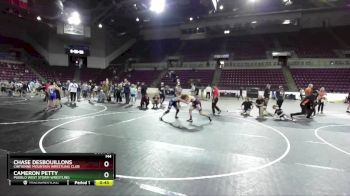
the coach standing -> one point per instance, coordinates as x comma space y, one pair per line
216, 95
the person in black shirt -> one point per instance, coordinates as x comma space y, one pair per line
240, 93
280, 96
118, 93
306, 106
126, 91
161, 93
143, 93
247, 107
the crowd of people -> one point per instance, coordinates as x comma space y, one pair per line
312, 100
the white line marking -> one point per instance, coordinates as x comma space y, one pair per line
71, 139
329, 144
313, 142
248, 135
252, 169
158, 190
47, 132
53, 119
320, 167
175, 145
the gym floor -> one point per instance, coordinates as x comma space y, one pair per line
233, 155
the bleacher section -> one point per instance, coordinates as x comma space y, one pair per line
201, 77
309, 43
17, 72
334, 80
57, 73
146, 76
237, 78
19, 44
87, 74
150, 51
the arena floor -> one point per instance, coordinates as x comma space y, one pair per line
230, 156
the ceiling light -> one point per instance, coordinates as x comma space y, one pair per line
74, 18
100, 26
190, 18
253, 1
157, 6
38, 18
197, 28
287, 2
286, 22
221, 7
137, 19
254, 22
227, 32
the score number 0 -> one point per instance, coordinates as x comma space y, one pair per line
106, 164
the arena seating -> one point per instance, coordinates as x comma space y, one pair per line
18, 72
58, 73
237, 78
334, 80
201, 77
146, 76
309, 43
150, 50
343, 33
87, 74
19, 44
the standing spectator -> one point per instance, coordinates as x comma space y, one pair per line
267, 93
321, 98
348, 101
127, 91
193, 89
208, 90
240, 93
216, 95
118, 93
73, 89
133, 92
85, 89
143, 91
280, 96
78, 92
161, 93
302, 93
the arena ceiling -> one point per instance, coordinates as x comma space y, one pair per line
124, 15
128, 16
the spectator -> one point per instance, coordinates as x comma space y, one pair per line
73, 89
208, 89
280, 96
126, 91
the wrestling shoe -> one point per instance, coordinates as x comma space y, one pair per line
189, 120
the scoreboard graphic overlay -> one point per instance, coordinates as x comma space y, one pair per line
85, 169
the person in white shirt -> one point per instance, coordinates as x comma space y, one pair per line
73, 89
208, 89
